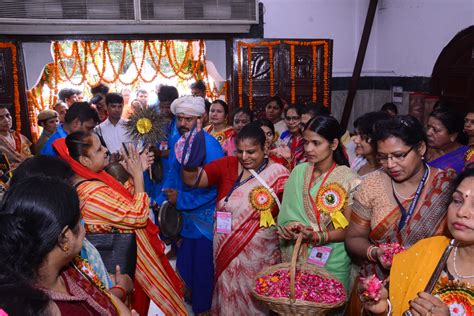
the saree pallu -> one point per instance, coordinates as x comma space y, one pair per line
221, 136
453, 160
427, 220
108, 205
15, 154
239, 256
297, 207
84, 297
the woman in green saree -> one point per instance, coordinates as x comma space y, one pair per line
317, 199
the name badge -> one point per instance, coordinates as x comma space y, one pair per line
319, 255
163, 145
224, 222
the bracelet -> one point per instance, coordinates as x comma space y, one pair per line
124, 293
369, 253
389, 312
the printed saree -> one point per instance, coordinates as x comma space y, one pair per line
412, 270
453, 160
373, 207
297, 207
239, 256
15, 154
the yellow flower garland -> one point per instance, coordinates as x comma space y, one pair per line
16, 92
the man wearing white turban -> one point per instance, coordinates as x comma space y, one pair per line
195, 257
189, 105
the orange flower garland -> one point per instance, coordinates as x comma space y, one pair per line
16, 92
314, 90
250, 74
292, 74
239, 74
272, 74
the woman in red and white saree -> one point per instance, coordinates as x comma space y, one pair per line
245, 239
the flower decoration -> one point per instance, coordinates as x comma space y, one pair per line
389, 251
262, 200
373, 287
331, 200
308, 287
147, 126
458, 295
144, 125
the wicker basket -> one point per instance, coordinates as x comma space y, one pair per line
292, 306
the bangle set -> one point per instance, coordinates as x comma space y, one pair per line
369, 253
122, 290
323, 238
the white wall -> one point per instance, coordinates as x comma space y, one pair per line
412, 33
407, 35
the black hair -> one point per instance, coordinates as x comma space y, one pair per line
199, 85
224, 105
66, 93
5, 106
297, 107
252, 131
405, 127
33, 214
329, 128
266, 122
466, 173
168, 94
244, 110
277, 100
83, 111
23, 299
100, 89
389, 107
42, 166
452, 120
365, 123
314, 109
113, 98
142, 91
78, 143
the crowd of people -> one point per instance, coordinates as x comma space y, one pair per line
245, 188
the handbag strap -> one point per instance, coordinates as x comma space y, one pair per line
260, 179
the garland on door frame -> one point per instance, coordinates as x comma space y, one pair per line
293, 44
16, 92
96, 54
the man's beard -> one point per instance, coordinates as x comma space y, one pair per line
183, 130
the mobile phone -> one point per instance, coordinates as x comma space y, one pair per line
125, 149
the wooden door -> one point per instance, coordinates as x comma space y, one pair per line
298, 71
453, 74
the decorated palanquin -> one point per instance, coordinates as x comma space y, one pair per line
296, 70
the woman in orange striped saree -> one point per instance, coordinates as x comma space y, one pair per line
108, 206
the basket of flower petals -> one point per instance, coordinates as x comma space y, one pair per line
293, 288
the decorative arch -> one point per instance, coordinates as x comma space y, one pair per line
453, 73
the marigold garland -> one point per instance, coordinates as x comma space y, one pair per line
292, 74
16, 92
314, 90
272, 73
250, 75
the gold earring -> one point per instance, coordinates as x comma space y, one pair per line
66, 248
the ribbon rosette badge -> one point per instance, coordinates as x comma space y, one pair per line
262, 200
331, 200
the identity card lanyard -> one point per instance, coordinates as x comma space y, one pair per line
315, 208
407, 215
237, 182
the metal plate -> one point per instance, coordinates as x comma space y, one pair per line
169, 220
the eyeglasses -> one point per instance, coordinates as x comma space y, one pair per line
292, 118
398, 157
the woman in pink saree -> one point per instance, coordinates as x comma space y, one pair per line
245, 239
